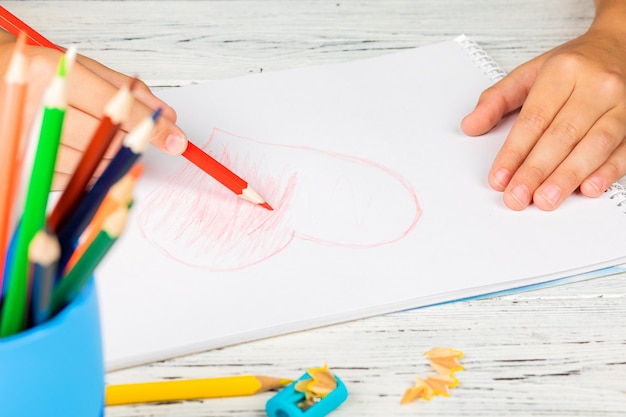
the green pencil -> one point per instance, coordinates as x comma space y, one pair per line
34, 213
71, 284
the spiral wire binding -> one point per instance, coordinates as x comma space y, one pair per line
617, 192
477, 54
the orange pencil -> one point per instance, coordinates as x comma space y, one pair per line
10, 135
120, 194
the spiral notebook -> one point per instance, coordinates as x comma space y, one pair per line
380, 203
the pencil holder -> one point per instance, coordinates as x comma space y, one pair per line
56, 369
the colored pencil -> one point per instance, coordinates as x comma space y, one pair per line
133, 146
135, 143
43, 254
120, 195
13, 25
71, 284
188, 389
194, 154
15, 81
7, 261
222, 174
116, 112
34, 213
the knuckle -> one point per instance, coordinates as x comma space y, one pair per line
535, 119
610, 83
568, 61
141, 85
571, 177
536, 173
615, 167
565, 132
605, 140
513, 155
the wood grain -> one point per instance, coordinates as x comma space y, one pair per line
554, 352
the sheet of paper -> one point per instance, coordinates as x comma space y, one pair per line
381, 204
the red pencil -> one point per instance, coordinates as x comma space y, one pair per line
194, 154
222, 174
14, 26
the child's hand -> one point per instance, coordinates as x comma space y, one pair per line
91, 86
571, 130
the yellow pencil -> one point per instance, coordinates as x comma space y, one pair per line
189, 389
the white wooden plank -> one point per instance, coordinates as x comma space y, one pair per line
559, 351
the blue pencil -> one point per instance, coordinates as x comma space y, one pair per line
67, 289
8, 258
43, 254
135, 143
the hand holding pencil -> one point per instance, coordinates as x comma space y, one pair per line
98, 85
92, 86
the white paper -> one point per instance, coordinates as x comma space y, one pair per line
381, 204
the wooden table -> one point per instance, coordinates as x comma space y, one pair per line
557, 352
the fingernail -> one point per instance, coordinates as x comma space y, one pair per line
596, 183
551, 193
521, 195
175, 144
502, 177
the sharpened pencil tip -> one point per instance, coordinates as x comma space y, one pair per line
21, 41
157, 114
284, 382
62, 68
133, 83
70, 58
267, 206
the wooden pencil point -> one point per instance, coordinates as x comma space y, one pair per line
223, 175
133, 83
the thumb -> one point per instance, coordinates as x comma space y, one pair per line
506, 95
169, 137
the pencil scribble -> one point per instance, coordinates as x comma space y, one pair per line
319, 196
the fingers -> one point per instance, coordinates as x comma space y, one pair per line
74, 141
565, 135
611, 171
142, 92
89, 93
502, 98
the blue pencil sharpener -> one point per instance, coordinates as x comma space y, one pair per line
314, 394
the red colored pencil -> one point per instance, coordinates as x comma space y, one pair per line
222, 174
14, 26
194, 154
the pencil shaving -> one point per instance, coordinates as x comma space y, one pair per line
321, 383
442, 358
420, 390
445, 362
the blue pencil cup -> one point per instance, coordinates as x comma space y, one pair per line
56, 369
